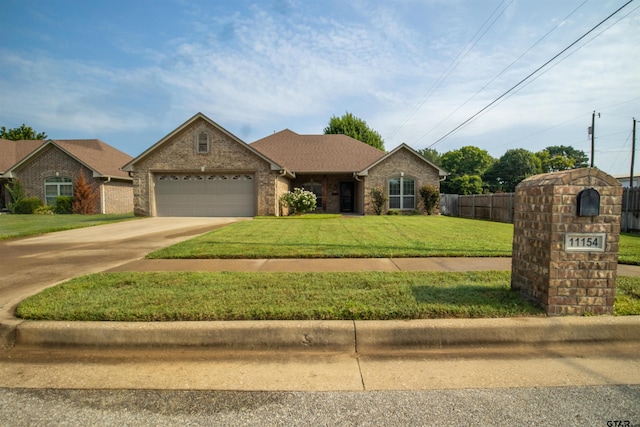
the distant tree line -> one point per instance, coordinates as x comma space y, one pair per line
474, 171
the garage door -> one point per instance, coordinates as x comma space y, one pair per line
205, 195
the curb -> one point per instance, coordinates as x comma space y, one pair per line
337, 336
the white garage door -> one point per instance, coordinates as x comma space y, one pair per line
205, 195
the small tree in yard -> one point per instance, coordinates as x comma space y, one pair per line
85, 197
378, 199
299, 200
16, 193
430, 198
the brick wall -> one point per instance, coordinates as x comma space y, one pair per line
50, 163
117, 197
565, 282
402, 162
179, 154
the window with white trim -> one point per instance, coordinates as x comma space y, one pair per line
203, 143
402, 193
57, 186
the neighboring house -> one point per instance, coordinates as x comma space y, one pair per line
201, 169
624, 180
48, 169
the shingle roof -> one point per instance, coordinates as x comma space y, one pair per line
11, 152
317, 153
98, 156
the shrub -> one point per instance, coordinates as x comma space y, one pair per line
27, 205
85, 197
45, 210
430, 198
16, 193
64, 205
299, 200
378, 199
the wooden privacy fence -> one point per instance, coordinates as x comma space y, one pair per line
631, 215
499, 207
493, 207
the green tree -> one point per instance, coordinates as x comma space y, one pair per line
513, 167
467, 160
356, 128
465, 184
560, 157
23, 132
465, 166
432, 155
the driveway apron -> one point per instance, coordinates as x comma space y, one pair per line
31, 264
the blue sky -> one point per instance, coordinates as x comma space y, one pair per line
130, 71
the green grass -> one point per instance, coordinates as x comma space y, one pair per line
332, 236
629, 249
627, 296
13, 226
275, 296
349, 237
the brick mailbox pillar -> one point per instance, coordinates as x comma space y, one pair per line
565, 241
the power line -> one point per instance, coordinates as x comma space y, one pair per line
530, 75
504, 70
454, 64
568, 55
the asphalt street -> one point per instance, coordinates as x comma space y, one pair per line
557, 406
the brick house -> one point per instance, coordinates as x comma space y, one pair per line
201, 169
48, 168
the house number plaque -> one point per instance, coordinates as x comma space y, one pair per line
585, 242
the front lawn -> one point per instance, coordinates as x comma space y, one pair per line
201, 296
12, 226
349, 237
362, 237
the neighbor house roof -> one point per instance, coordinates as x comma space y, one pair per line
317, 153
11, 152
103, 159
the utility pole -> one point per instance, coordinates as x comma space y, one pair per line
592, 132
633, 157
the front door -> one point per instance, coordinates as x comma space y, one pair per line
347, 197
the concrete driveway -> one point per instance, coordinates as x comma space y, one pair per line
31, 264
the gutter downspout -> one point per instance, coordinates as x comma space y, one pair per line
282, 174
355, 176
103, 197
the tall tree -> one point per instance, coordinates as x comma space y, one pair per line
466, 166
23, 132
560, 157
432, 155
467, 160
356, 128
513, 167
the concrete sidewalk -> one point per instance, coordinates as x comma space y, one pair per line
334, 265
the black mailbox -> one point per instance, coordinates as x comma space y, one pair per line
589, 202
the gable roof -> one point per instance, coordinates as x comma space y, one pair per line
11, 152
330, 153
403, 146
199, 116
103, 159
